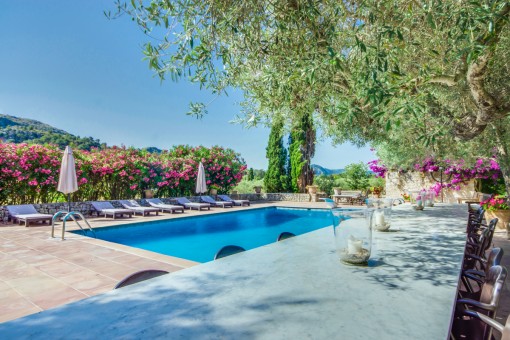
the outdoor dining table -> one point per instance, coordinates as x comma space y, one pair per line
351, 199
294, 289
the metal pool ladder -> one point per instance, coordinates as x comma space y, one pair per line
71, 215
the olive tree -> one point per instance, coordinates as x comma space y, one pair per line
413, 77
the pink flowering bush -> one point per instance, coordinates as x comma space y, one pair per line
495, 203
29, 174
455, 172
458, 172
377, 168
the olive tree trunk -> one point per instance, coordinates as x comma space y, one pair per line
503, 156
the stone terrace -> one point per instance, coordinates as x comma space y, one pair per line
38, 272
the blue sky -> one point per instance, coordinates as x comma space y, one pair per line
65, 64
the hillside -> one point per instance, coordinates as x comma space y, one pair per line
319, 170
21, 130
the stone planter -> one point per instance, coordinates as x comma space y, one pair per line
257, 189
502, 215
149, 193
337, 191
312, 189
213, 192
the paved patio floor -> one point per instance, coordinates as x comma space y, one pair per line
38, 272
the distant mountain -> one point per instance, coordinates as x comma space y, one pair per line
319, 170
22, 130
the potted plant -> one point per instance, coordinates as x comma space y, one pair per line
213, 189
497, 207
257, 189
377, 191
149, 193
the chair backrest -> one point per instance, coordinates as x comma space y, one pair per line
127, 204
139, 277
494, 258
228, 250
491, 290
102, 205
475, 220
22, 209
492, 229
483, 242
134, 203
182, 200
285, 235
207, 199
225, 198
154, 200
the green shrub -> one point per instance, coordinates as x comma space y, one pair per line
377, 182
246, 186
325, 183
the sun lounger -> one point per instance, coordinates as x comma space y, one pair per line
211, 201
27, 213
226, 198
157, 203
137, 208
107, 209
192, 205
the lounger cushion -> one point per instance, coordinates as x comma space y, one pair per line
33, 216
22, 209
157, 203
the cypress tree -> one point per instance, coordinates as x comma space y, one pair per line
276, 154
251, 174
301, 151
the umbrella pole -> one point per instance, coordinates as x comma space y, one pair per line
69, 202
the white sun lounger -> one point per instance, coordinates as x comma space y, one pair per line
211, 201
226, 198
137, 208
27, 213
192, 205
107, 209
157, 203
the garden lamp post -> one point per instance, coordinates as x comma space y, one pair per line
441, 180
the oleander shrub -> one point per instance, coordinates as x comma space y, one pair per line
29, 173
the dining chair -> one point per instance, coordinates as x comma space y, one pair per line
227, 251
480, 271
465, 327
475, 219
139, 277
478, 243
504, 330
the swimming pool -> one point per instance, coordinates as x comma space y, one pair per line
198, 238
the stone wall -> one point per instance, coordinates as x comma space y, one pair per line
398, 183
292, 197
86, 208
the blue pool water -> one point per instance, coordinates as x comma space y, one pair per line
198, 238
